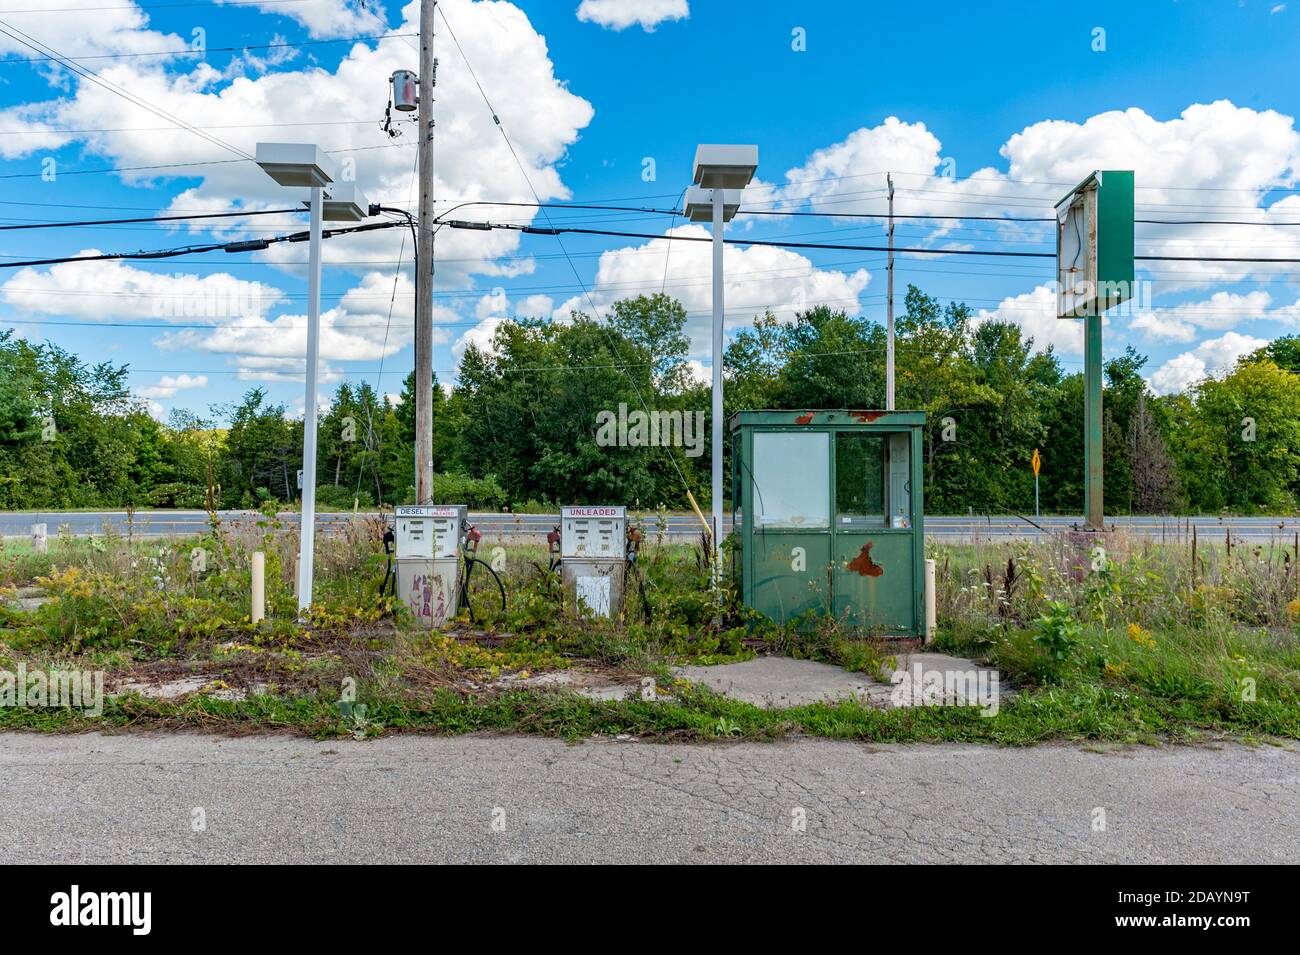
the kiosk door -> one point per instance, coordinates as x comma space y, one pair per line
792, 511
872, 538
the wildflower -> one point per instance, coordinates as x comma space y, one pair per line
1141, 637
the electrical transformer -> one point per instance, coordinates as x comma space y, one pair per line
428, 560
593, 558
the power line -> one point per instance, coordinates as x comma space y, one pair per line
182, 165
34, 44
208, 215
557, 230
254, 245
537, 198
154, 6
249, 245
217, 49
155, 129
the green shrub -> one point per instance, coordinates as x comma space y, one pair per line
1058, 635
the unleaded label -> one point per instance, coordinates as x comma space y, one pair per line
428, 510
612, 511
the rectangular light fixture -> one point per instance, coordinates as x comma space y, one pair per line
295, 164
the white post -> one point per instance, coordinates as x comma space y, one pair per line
307, 537
259, 587
40, 540
717, 383
931, 613
889, 305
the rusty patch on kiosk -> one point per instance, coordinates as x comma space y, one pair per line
863, 564
867, 417
804, 418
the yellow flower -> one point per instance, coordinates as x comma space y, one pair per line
1139, 636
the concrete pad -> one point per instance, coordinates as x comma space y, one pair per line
937, 679
184, 686
594, 686
931, 679
776, 682
26, 599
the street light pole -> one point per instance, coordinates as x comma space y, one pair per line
307, 532
889, 306
721, 173
297, 165
719, 312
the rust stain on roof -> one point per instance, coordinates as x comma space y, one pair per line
867, 416
804, 418
864, 565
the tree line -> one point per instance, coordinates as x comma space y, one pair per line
519, 429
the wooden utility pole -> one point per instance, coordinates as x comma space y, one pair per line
889, 304
424, 268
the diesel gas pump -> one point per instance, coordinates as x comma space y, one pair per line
428, 541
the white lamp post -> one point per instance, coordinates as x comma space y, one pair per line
721, 172
303, 164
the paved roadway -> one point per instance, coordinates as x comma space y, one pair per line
680, 526
270, 800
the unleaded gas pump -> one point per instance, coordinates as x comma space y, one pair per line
593, 558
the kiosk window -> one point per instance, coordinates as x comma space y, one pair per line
859, 479
792, 479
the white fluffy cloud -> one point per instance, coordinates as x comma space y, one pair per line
121, 27
1035, 313
330, 18
1180, 323
360, 327
115, 291
1212, 357
621, 14
541, 116
1214, 160
168, 385
490, 311
757, 278
479, 336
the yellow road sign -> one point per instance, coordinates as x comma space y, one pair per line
1036, 462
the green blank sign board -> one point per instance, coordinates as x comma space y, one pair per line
1095, 268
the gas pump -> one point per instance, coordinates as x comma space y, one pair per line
428, 560
593, 558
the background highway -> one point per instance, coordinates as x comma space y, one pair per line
681, 527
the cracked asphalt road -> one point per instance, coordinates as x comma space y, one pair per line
132, 798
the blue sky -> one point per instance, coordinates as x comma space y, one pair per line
1010, 101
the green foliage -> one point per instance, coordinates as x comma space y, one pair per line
481, 494
519, 428
1168, 660
1058, 634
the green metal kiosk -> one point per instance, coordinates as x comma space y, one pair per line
828, 509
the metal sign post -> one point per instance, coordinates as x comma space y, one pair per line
1036, 462
1094, 266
